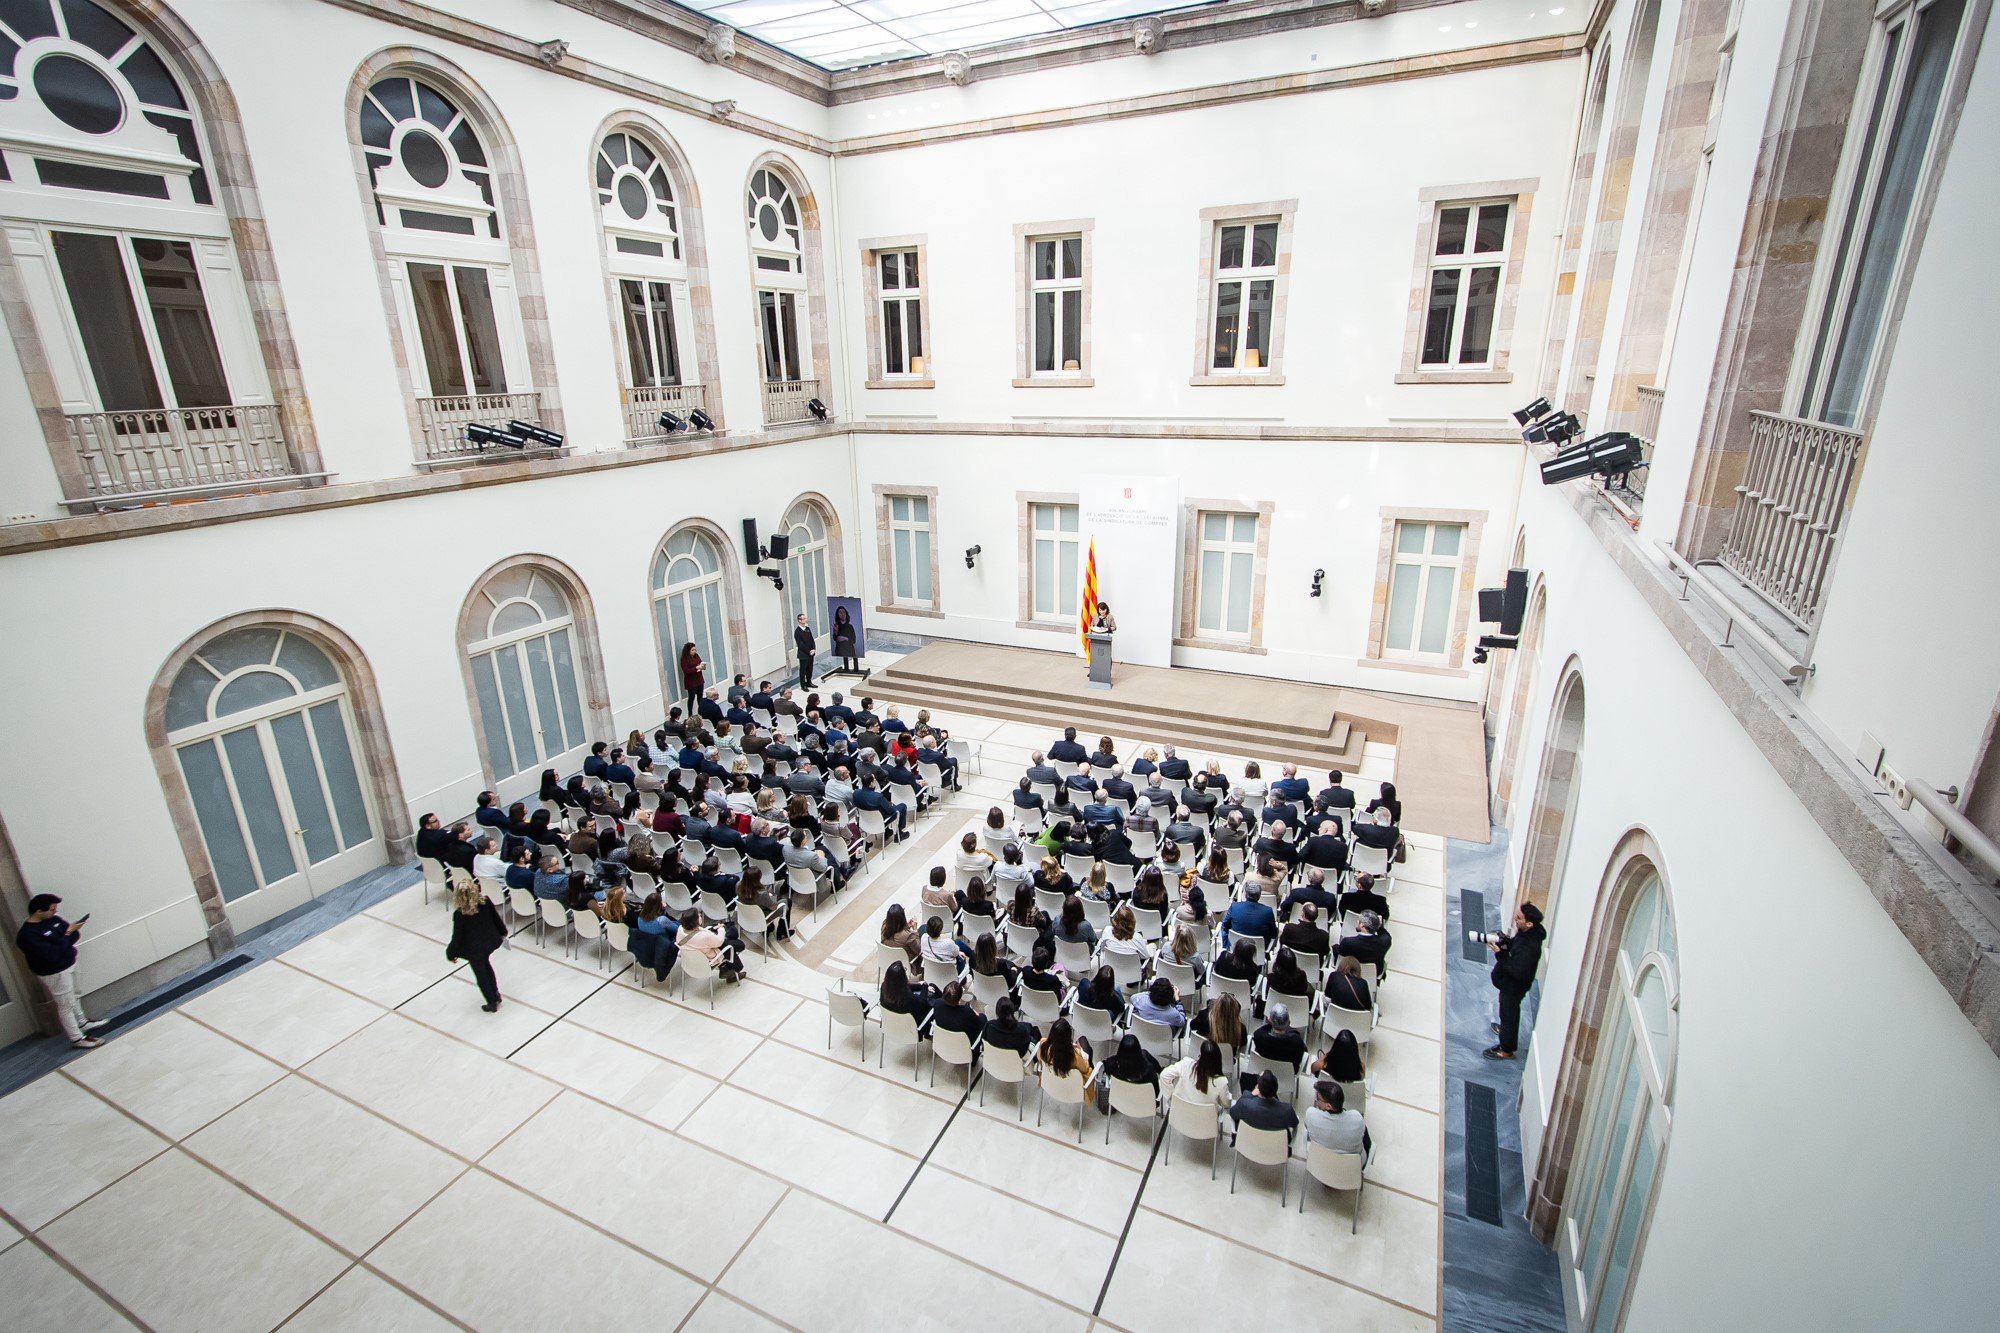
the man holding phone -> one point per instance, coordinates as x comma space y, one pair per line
49, 944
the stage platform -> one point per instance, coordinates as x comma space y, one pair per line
1440, 749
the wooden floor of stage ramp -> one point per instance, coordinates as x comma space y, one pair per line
1440, 755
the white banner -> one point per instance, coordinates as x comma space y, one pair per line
1134, 521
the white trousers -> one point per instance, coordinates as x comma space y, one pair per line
69, 1009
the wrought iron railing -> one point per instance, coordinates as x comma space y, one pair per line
442, 421
179, 449
1788, 510
786, 400
647, 402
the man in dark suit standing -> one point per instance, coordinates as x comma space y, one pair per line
803, 640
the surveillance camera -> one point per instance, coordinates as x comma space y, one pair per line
970, 552
1479, 656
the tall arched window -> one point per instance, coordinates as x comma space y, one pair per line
450, 263
1629, 1109
1545, 847
778, 229
689, 605
126, 259
649, 267
806, 583
522, 646
260, 722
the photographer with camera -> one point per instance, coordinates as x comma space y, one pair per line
1517, 957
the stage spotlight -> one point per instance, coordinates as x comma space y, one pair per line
1319, 577
1554, 429
485, 435
776, 576
818, 409
528, 430
1534, 411
672, 424
1600, 456
970, 552
1488, 642
700, 420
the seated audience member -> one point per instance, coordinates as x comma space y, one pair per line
1103, 992
1142, 819
1105, 756
1234, 833
892, 721
1147, 764
1290, 786
1008, 1031
1041, 974
1025, 912
1040, 772
939, 955
1182, 948
1369, 944
756, 891
1066, 750
1011, 873
1239, 963
954, 1014
1110, 844
1253, 785
895, 814
931, 750
1150, 890
1097, 885
486, 862
1264, 1109
1082, 781
1198, 798
1250, 916
1333, 796
900, 931
595, 763
552, 789
1314, 892
977, 906
972, 859
1222, 1023
1341, 1061
988, 961
1184, 831
1387, 801
545, 832
1306, 935
611, 906
1051, 876
1159, 1003
1277, 847
711, 944
1325, 849
1079, 843
1378, 831
799, 853
1124, 938
1064, 1052
1027, 798
1199, 1078
617, 769
1363, 898
552, 880
1174, 768
1286, 977
1119, 788
1331, 1125
1262, 876
901, 995
521, 874
1073, 928
487, 812
937, 892
762, 844
1346, 987
1133, 1063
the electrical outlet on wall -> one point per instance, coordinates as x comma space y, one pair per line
22, 518
1893, 780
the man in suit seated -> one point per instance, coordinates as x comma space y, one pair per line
724, 833
1326, 848
1333, 796
1377, 832
739, 689
1313, 892
1279, 812
864, 717
1116, 788
1041, 772
1083, 782
894, 814
738, 713
1363, 898
761, 696
806, 781
593, 763
1066, 750
1196, 796
1231, 833
1306, 935
840, 786
1234, 804
786, 706
930, 750
1187, 833
1161, 795
1369, 944
1264, 1109
616, 769
781, 750
901, 775
1278, 846
1175, 768
1100, 812
1250, 916
760, 845
709, 707
838, 711
1291, 787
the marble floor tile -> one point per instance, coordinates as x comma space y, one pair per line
829, 1162
361, 1300
283, 1013
1417, 905
631, 1080
1424, 865
62, 1145
824, 1288
719, 1314
1405, 1068
547, 985
174, 1074
876, 1108
1418, 951
1171, 1275
473, 1252
42, 1294
182, 1248
685, 1036
1412, 1003
1046, 1251
1406, 1148
750, 1005
1128, 1148
1092, 1189
454, 1007
10, 1235
373, 959
458, 1098
787, 974
348, 1175
638, 1183
409, 910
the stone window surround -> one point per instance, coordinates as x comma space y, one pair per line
376, 762
1024, 522
836, 550
732, 604
1212, 222
885, 559
1025, 233
871, 289
219, 122
1190, 635
590, 660
1468, 574
1522, 193
811, 246
694, 247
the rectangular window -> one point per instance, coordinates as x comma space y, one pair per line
1423, 589
1246, 281
1904, 103
652, 350
1225, 571
1468, 256
136, 346
458, 327
1057, 560
902, 313
1055, 297
778, 315
910, 549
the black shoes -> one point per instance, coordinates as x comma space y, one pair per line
491, 1008
1495, 1053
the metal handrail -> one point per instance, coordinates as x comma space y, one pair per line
1733, 618
1969, 834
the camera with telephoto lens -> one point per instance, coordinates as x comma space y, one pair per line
1482, 937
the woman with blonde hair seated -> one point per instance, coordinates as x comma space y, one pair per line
612, 906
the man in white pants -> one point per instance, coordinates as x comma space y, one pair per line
49, 944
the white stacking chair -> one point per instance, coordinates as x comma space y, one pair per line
1007, 1067
676, 898
886, 954
1040, 1007
716, 908
1242, 990
662, 841
903, 1030
1032, 818
1263, 1147
1236, 857
1365, 860
618, 939
1097, 913
954, 1048
1045, 790
1355, 1096
1050, 901
523, 906
695, 964
764, 718
994, 840
1131, 1099
1120, 877
961, 877
1258, 943
1078, 866
433, 879
850, 1010
1336, 1171
807, 883
1066, 1088
553, 914
1021, 940
1128, 968
1313, 965
606, 823
1299, 1006
874, 824
1182, 975
1096, 1024
1361, 1022
495, 890
1152, 922
1145, 843
644, 883
586, 925
1158, 1038
754, 923
933, 776
728, 860
987, 990
554, 808
1073, 956
1194, 1120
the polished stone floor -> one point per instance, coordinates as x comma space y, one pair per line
339, 1138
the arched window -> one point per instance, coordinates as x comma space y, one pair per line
688, 605
450, 264
648, 259
806, 584
522, 646
261, 724
1628, 1111
778, 232
1545, 848
126, 260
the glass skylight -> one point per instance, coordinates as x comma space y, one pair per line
840, 34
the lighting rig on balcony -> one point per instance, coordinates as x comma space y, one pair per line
696, 420
515, 435
819, 410
1612, 454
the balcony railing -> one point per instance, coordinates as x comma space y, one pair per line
785, 400
1645, 425
1788, 510
645, 404
443, 422
179, 450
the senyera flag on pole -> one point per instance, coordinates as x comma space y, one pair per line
1089, 613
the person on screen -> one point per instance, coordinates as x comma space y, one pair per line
845, 645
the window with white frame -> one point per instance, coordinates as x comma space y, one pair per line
902, 295
1226, 566
642, 241
1055, 305
910, 538
1056, 560
524, 671
778, 254
1244, 298
1468, 263
1910, 70
1423, 589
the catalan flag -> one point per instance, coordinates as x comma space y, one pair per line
1089, 596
